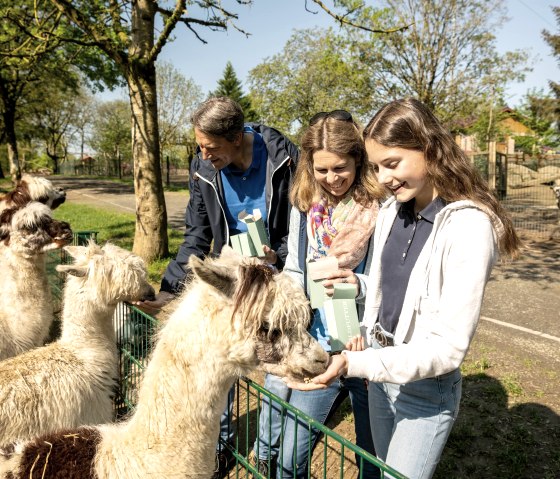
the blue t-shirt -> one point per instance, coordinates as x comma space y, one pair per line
245, 190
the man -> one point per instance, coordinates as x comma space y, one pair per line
237, 167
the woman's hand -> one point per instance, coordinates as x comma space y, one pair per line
270, 256
341, 276
338, 366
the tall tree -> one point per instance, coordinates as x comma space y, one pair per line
177, 99
29, 58
229, 85
316, 71
447, 57
132, 33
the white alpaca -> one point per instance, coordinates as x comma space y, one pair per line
26, 309
33, 188
71, 382
234, 316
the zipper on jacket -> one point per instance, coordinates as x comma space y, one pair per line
272, 191
200, 177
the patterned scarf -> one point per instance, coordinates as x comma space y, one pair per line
342, 231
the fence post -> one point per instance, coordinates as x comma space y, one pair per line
492, 165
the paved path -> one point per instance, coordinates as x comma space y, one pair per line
524, 294
119, 197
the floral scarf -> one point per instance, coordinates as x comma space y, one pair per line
342, 231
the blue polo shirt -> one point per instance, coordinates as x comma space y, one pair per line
246, 190
408, 236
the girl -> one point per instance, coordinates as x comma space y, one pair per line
436, 242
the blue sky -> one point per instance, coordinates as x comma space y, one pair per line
271, 23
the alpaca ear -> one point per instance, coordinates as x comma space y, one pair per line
73, 270
219, 277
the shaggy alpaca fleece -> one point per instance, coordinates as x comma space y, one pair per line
71, 382
234, 316
33, 188
26, 310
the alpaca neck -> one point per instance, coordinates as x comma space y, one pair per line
187, 380
86, 319
26, 296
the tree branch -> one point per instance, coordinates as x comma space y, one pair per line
344, 21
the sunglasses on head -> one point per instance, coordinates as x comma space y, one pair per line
341, 115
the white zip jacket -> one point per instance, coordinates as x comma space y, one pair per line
443, 299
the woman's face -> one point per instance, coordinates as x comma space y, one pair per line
334, 173
403, 172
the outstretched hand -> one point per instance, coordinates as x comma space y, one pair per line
338, 366
154, 307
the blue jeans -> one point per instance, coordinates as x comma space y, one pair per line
267, 442
320, 405
411, 422
227, 428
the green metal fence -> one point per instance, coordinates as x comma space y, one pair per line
333, 455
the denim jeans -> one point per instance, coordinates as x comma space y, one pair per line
411, 422
227, 427
270, 420
320, 405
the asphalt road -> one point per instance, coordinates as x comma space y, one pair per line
522, 298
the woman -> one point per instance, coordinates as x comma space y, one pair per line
335, 199
436, 241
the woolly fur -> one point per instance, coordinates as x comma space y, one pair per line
215, 334
70, 382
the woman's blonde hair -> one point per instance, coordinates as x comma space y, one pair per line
340, 137
409, 124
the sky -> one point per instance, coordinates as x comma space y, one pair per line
271, 23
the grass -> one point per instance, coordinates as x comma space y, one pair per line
117, 228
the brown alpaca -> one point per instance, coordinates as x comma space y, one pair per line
33, 188
26, 309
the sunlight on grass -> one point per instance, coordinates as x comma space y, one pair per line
118, 228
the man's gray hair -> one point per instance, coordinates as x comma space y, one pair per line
219, 116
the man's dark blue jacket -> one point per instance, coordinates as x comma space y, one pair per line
205, 219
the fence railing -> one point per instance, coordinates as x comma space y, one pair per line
332, 456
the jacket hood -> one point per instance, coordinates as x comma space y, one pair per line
443, 215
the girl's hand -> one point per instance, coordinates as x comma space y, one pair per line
341, 276
357, 343
338, 366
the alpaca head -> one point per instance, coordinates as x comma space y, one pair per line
268, 313
110, 274
35, 188
31, 230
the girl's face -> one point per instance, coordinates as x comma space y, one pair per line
403, 172
334, 173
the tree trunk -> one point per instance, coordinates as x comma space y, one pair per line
11, 140
150, 237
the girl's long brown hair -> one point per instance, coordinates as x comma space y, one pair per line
409, 124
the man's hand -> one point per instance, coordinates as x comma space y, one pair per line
154, 307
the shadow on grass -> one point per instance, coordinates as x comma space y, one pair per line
491, 440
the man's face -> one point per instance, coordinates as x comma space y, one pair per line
216, 149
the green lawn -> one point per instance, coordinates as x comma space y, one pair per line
118, 228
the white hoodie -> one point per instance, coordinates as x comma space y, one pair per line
443, 299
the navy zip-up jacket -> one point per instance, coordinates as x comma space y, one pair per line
205, 219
